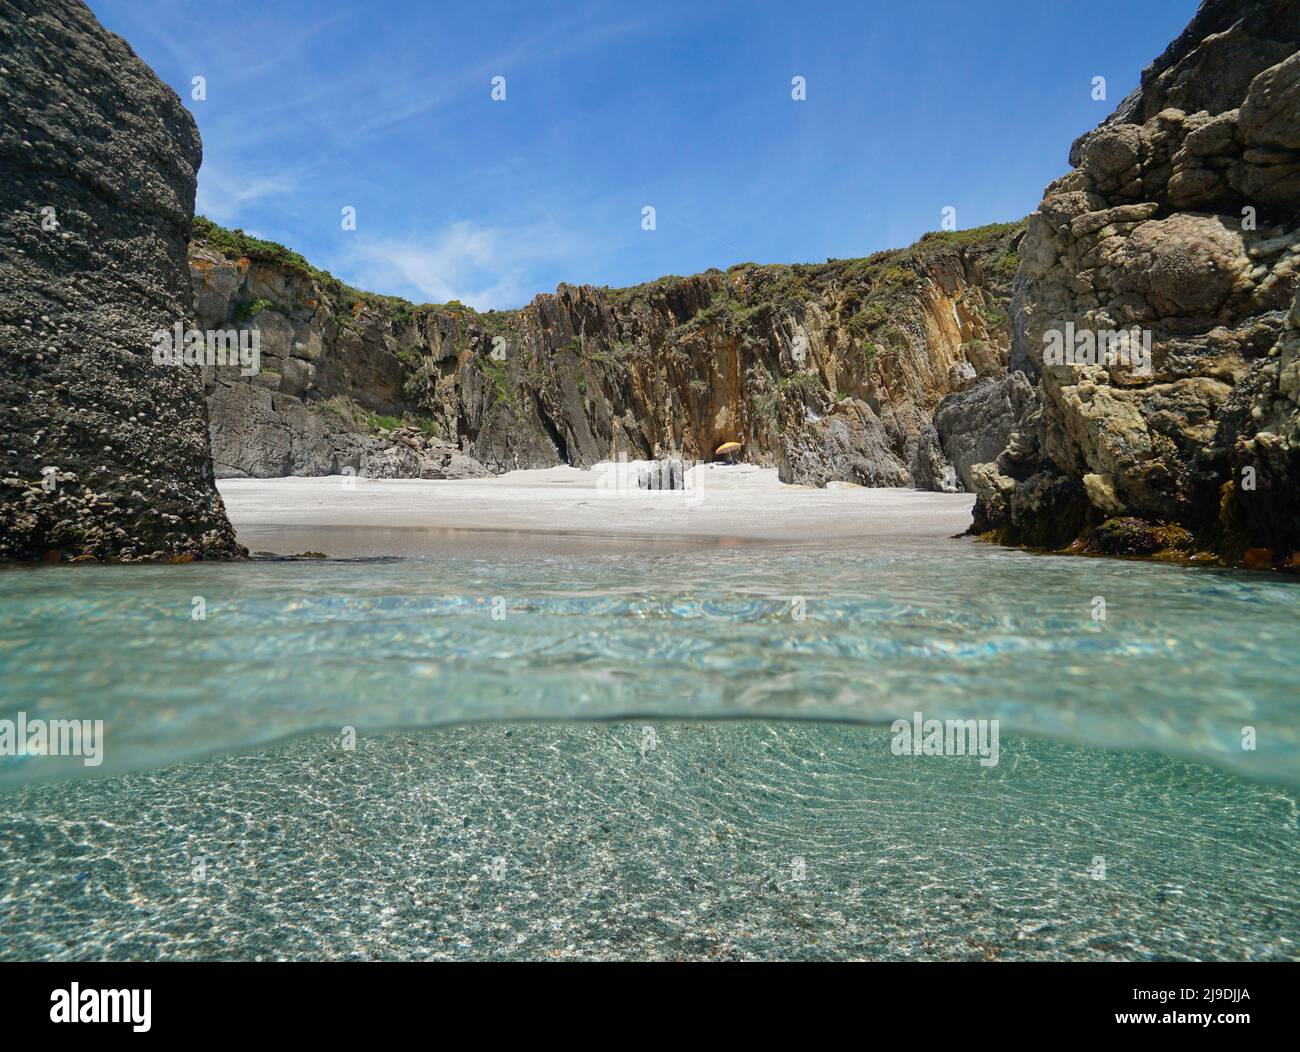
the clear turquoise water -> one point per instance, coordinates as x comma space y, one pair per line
460, 827
1185, 658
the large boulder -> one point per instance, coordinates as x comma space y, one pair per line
976, 423
104, 453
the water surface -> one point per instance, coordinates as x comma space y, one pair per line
624, 752
1184, 659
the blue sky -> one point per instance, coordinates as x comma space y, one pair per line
386, 106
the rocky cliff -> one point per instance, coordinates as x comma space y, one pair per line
1179, 222
827, 371
104, 454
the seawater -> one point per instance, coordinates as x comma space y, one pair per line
675, 754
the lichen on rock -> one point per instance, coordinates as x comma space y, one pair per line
1181, 219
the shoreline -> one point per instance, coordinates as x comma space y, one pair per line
575, 510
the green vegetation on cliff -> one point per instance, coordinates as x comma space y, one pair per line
780, 285
828, 370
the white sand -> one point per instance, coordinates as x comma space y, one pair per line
723, 503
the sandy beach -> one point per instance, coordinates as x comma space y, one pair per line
565, 508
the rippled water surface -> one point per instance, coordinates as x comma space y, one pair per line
1184, 659
1124, 819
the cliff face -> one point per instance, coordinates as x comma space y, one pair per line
1181, 220
104, 454
829, 371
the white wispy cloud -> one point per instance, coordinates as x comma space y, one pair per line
402, 95
485, 267
224, 195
